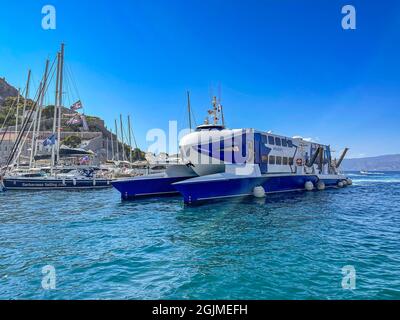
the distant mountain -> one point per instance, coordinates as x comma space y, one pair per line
381, 163
6, 90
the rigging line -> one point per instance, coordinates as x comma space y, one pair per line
4, 134
194, 117
5, 120
21, 133
69, 70
24, 125
134, 138
8, 114
72, 85
9, 111
67, 89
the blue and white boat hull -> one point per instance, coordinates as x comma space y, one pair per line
153, 185
227, 185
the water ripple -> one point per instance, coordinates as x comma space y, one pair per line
289, 246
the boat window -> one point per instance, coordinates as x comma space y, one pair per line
284, 143
271, 159
271, 140
264, 159
278, 141
279, 160
290, 143
285, 161
291, 161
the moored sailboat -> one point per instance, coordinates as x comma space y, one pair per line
81, 176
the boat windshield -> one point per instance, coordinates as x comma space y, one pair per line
209, 127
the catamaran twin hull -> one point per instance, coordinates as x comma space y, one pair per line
21, 183
231, 163
220, 186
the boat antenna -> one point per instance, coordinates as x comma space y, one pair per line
222, 115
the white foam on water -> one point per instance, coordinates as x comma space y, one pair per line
392, 180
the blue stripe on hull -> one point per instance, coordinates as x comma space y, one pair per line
139, 187
213, 189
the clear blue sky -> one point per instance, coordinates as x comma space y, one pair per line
285, 66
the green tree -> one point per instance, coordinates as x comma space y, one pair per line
72, 141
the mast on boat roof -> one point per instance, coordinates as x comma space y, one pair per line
216, 112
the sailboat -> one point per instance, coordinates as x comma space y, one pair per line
56, 176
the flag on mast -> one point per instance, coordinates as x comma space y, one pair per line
74, 120
50, 141
76, 106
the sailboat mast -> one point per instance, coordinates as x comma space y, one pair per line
17, 114
33, 136
122, 138
116, 138
55, 113
26, 94
130, 138
60, 101
107, 149
41, 101
112, 146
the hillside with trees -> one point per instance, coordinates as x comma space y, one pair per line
8, 111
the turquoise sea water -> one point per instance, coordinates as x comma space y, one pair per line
287, 246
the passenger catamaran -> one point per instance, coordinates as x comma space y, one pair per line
58, 176
221, 163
